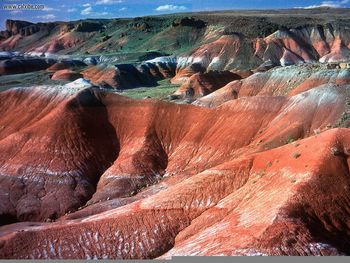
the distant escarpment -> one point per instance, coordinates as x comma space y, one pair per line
228, 40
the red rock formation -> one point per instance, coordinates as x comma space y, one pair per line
280, 81
283, 47
16, 27
126, 76
36, 170
202, 84
172, 187
226, 53
66, 74
62, 41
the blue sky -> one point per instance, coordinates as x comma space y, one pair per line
63, 10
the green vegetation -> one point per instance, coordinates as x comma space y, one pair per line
290, 139
164, 89
27, 80
261, 174
344, 120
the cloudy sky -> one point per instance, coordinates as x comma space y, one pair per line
64, 10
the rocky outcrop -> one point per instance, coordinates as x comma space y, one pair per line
87, 26
23, 28
16, 27
189, 21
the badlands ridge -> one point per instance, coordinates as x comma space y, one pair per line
248, 156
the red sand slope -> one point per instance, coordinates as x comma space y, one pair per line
163, 179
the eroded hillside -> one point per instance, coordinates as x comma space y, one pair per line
248, 155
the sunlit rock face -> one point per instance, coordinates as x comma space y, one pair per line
283, 47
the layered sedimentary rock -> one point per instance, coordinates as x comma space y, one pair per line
202, 42
159, 181
201, 84
283, 81
126, 76
284, 47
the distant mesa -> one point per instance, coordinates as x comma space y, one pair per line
189, 21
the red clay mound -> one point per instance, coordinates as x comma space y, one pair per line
279, 81
66, 74
202, 84
226, 53
36, 171
127, 76
164, 183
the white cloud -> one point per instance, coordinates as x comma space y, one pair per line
72, 10
163, 8
90, 12
86, 11
47, 17
332, 4
122, 9
108, 2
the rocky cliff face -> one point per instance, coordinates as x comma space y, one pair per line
23, 28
